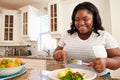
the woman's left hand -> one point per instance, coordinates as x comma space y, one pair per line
99, 64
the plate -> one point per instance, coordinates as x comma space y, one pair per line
90, 75
14, 75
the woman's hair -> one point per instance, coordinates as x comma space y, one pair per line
97, 24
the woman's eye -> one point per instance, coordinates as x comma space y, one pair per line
76, 19
86, 19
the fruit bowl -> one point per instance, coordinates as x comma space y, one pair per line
12, 70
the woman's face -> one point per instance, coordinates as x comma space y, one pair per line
84, 21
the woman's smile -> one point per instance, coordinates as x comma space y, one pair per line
82, 28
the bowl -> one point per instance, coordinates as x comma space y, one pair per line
12, 70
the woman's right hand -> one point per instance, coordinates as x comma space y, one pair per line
59, 55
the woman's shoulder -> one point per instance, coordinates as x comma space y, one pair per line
105, 33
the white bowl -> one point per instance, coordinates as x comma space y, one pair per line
12, 70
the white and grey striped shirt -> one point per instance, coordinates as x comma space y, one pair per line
82, 49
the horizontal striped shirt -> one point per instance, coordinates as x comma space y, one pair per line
83, 49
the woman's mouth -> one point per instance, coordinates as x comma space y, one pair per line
82, 28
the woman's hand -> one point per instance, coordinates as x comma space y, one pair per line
59, 55
99, 64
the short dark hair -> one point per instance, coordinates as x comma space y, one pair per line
97, 24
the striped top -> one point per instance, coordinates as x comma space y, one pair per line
83, 49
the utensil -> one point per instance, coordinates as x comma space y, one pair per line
79, 62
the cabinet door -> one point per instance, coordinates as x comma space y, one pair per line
25, 23
8, 27
53, 17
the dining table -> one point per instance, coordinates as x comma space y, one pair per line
42, 73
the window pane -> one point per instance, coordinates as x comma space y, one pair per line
47, 42
51, 10
11, 21
55, 10
6, 20
6, 34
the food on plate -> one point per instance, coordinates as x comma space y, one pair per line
72, 60
66, 74
7, 62
18, 61
10, 64
0, 62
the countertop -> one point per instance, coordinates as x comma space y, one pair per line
30, 57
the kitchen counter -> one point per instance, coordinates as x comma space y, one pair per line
40, 57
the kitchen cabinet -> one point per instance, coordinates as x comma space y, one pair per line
54, 18
8, 26
29, 20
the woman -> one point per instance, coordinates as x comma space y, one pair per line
87, 31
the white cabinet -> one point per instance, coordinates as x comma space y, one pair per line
9, 25
54, 18
29, 21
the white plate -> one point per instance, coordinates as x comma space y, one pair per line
89, 74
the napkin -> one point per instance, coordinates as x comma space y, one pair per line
35, 75
39, 75
100, 51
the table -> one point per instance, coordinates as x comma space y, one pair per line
27, 75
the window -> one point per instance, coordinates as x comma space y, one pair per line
8, 27
45, 40
41, 34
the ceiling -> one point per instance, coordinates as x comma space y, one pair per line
15, 4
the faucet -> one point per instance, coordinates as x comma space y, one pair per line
47, 51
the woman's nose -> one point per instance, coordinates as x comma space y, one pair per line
81, 22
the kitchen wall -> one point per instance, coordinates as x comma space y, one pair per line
115, 18
115, 27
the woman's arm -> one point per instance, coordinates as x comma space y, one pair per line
58, 48
113, 60
59, 54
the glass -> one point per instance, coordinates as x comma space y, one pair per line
52, 65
